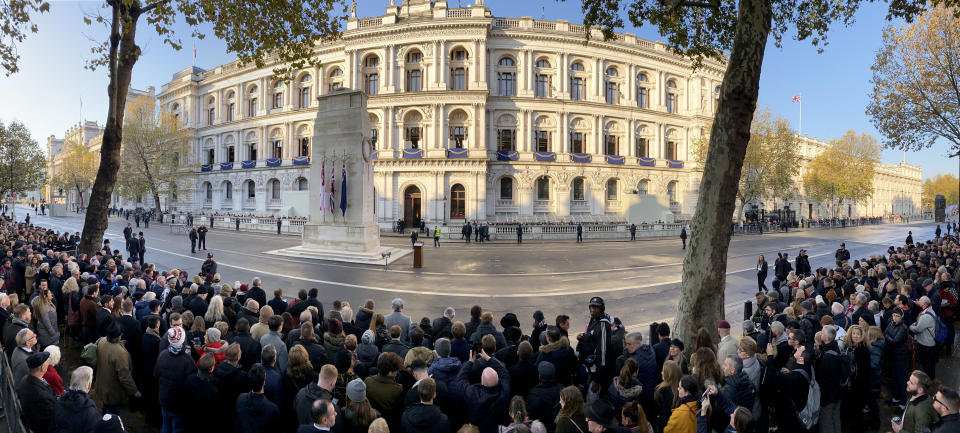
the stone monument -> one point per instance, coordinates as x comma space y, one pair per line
342, 228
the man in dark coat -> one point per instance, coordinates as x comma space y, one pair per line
646, 358
127, 233
519, 233
104, 315
173, 367
802, 264
594, 345
543, 401
36, 397
209, 267
201, 392
75, 411
133, 248
256, 414
249, 348
486, 401
842, 254
143, 246
424, 416
683, 237
202, 237
193, 240
257, 294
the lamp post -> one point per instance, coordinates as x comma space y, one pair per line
13, 201
444, 210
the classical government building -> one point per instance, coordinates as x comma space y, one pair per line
474, 117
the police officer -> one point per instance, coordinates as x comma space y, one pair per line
594, 344
236, 223
127, 233
519, 233
436, 236
202, 233
279, 223
193, 239
842, 254
633, 232
579, 233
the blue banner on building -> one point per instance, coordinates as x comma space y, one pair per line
457, 153
248, 164
273, 162
545, 156
674, 163
614, 159
412, 153
646, 162
301, 160
226, 166
206, 167
375, 154
507, 155
580, 157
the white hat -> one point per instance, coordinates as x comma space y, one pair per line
176, 336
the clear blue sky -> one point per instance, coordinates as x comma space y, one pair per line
47, 91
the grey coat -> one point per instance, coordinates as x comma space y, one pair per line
47, 331
18, 362
274, 339
401, 320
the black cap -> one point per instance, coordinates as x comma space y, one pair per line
109, 424
538, 316
596, 301
509, 320
209, 255
678, 343
37, 359
602, 412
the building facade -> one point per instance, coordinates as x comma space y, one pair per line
474, 117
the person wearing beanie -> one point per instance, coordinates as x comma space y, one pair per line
173, 367
109, 424
544, 396
367, 351
115, 385
36, 397
333, 338
357, 412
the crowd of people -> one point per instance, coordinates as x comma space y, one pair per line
192, 352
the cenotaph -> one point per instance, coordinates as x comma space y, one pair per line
342, 224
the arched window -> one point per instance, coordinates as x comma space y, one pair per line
302, 184
458, 79
642, 92
252, 101
459, 55
612, 92
228, 190
275, 189
578, 194
414, 73
304, 94
336, 79
251, 189
506, 61
611, 72
506, 84
643, 187
414, 57
231, 105
506, 188
672, 191
543, 63
671, 96
457, 201
372, 62
542, 80
543, 188
612, 189
371, 83
576, 66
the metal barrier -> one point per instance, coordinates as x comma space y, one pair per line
8, 396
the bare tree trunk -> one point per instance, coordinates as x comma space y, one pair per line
123, 55
705, 265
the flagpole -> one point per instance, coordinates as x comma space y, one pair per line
801, 114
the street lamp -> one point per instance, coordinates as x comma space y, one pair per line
13, 202
444, 210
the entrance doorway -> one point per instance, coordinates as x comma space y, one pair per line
457, 202
411, 206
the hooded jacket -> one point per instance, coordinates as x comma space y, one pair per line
445, 370
332, 344
562, 357
367, 352
739, 389
646, 359
484, 329
363, 318
303, 402
618, 394
171, 372
487, 406
75, 412
425, 418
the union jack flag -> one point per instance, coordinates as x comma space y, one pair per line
796, 98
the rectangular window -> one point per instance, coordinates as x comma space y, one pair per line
373, 137
373, 84
671, 150
671, 103
611, 144
412, 134
231, 154
336, 86
505, 83
210, 156
542, 89
458, 79
543, 189
304, 147
542, 139
277, 100
278, 149
252, 107
457, 135
414, 83
210, 116
506, 140
642, 97
613, 96
576, 88
576, 142
253, 151
305, 97
230, 109
506, 189
642, 149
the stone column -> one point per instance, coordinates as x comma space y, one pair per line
598, 136
561, 144
480, 196
563, 200
387, 85
481, 64
598, 76
479, 130
629, 148
562, 70
476, 69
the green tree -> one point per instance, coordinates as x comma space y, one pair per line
843, 172
711, 28
15, 24
916, 82
283, 34
946, 184
23, 166
76, 170
153, 142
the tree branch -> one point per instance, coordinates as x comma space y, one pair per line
151, 6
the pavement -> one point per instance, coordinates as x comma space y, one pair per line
638, 279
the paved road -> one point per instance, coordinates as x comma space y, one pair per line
638, 279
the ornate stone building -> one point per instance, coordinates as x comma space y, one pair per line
474, 117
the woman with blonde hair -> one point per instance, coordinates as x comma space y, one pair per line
666, 393
570, 418
30, 276
379, 425
45, 318
261, 328
861, 377
52, 377
215, 310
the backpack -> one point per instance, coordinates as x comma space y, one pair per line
810, 414
940, 333
848, 368
89, 354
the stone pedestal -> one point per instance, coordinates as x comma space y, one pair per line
339, 143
